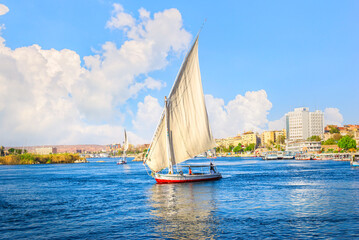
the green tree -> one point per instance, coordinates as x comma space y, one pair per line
238, 149
330, 141
250, 147
333, 129
346, 142
337, 136
314, 138
2, 152
230, 148
18, 151
11, 150
281, 139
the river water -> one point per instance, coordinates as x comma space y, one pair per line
256, 199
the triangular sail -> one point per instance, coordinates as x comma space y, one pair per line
189, 129
125, 147
125, 143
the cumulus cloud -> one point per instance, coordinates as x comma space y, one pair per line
120, 19
3, 9
47, 97
277, 124
150, 41
248, 112
147, 117
333, 116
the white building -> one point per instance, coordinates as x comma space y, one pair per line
302, 124
304, 146
46, 150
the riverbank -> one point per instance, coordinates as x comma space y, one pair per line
29, 158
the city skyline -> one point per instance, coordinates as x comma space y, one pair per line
79, 72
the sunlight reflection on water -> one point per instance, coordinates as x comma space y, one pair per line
255, 199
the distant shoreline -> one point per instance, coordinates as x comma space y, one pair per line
30, 158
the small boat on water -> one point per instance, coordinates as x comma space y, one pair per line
302, 156
192, 176
125, 147
288, 155
277, 155
183, 131
355, 160
342, 157
270, 156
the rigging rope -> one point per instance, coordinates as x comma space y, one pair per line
147, 171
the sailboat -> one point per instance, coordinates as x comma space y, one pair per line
183, 131
125, 147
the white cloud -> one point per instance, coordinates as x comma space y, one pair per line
120, 20
115, 71
3, 9
244, 113
147, 117
277, 124
47, 97
333, 116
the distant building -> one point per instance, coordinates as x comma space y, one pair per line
267, 138
349, 129
46, 150
356, 138
113, 147
302, 124
334, 147
304, 146
271, 137
248, 138
226, 142
279, 134
142, 147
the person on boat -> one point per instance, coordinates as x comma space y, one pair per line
189, 171
211, 168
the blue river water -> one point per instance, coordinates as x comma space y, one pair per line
255, 199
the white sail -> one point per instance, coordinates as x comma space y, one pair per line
125, 143
189, 130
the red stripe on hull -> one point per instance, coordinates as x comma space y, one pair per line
164, 181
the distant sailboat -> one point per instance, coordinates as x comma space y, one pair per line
183, 131
125, 147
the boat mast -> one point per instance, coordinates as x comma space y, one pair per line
168, 140
124, 155
125, 146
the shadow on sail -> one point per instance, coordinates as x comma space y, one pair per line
184, 211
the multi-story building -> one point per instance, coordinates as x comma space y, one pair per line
272, 137
302, 124
226, 142
249, 138
267, 138
356, 138
279, 134
113, 147
316, 123
304, 146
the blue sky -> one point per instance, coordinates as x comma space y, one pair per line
266, 57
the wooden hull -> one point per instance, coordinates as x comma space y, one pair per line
184, 178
